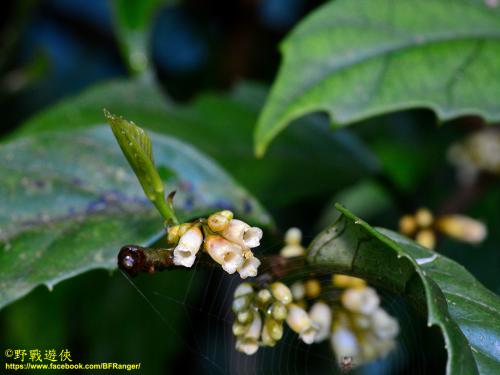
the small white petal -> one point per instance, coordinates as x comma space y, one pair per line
361, 300
321, 314
384, 325
249, 268
188, 246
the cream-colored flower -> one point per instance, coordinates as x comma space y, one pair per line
462, 228
300, 322
292, 248
229, 255
249, 342
242, 234
249, 267
384, 325
360, 300
321, 314
188, 246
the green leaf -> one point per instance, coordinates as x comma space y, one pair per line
359, 58
464, 310
69, 201
133, 21
221, 125
136, 146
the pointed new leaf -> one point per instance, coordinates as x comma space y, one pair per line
136, 146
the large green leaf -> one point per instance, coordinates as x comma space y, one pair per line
222, 126
359, 58
467, 313
69, 201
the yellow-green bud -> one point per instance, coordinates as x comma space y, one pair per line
274, 328
281, 292
279, 311
244, 317
241, 303
264, 296
239, 329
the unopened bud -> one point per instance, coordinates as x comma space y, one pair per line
173, 235
264, 296
426, 238
344, 281
312, 288
281, 292
274, 328
244, 317
293, 236
298, 320
424, 217
266, 338
408, 225
279, 311
218, 222
241, 303
239, 329
384, 325
242, 289
462, 228
363, 301
298, 290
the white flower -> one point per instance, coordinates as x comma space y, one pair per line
281, 292
243, 234
298, 320
321, 314
344, 342
249, 343
293, 236
227, 254
293, 248
188, 246
249, 267
360, 300
384, 325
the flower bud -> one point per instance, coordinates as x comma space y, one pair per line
173, 234
239, 329
279, 311
244, 317
407, 225
344, 342
293, 236
266, 338
218, 221
321, 314
298, 320
241, 303
291, 251
249, 268
426, 238
312, 288
248, 344
424, 217
363, 301
462, 228
242, 289
241, 233
281, 292
298, 290
344, 281
227, 254
264, 296
188, 246
183, 228
274, 328
384, 325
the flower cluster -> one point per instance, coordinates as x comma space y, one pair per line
227, 240
356, 325
422, 226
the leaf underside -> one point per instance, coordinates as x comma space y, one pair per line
69, 201
467, 313
358, 58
